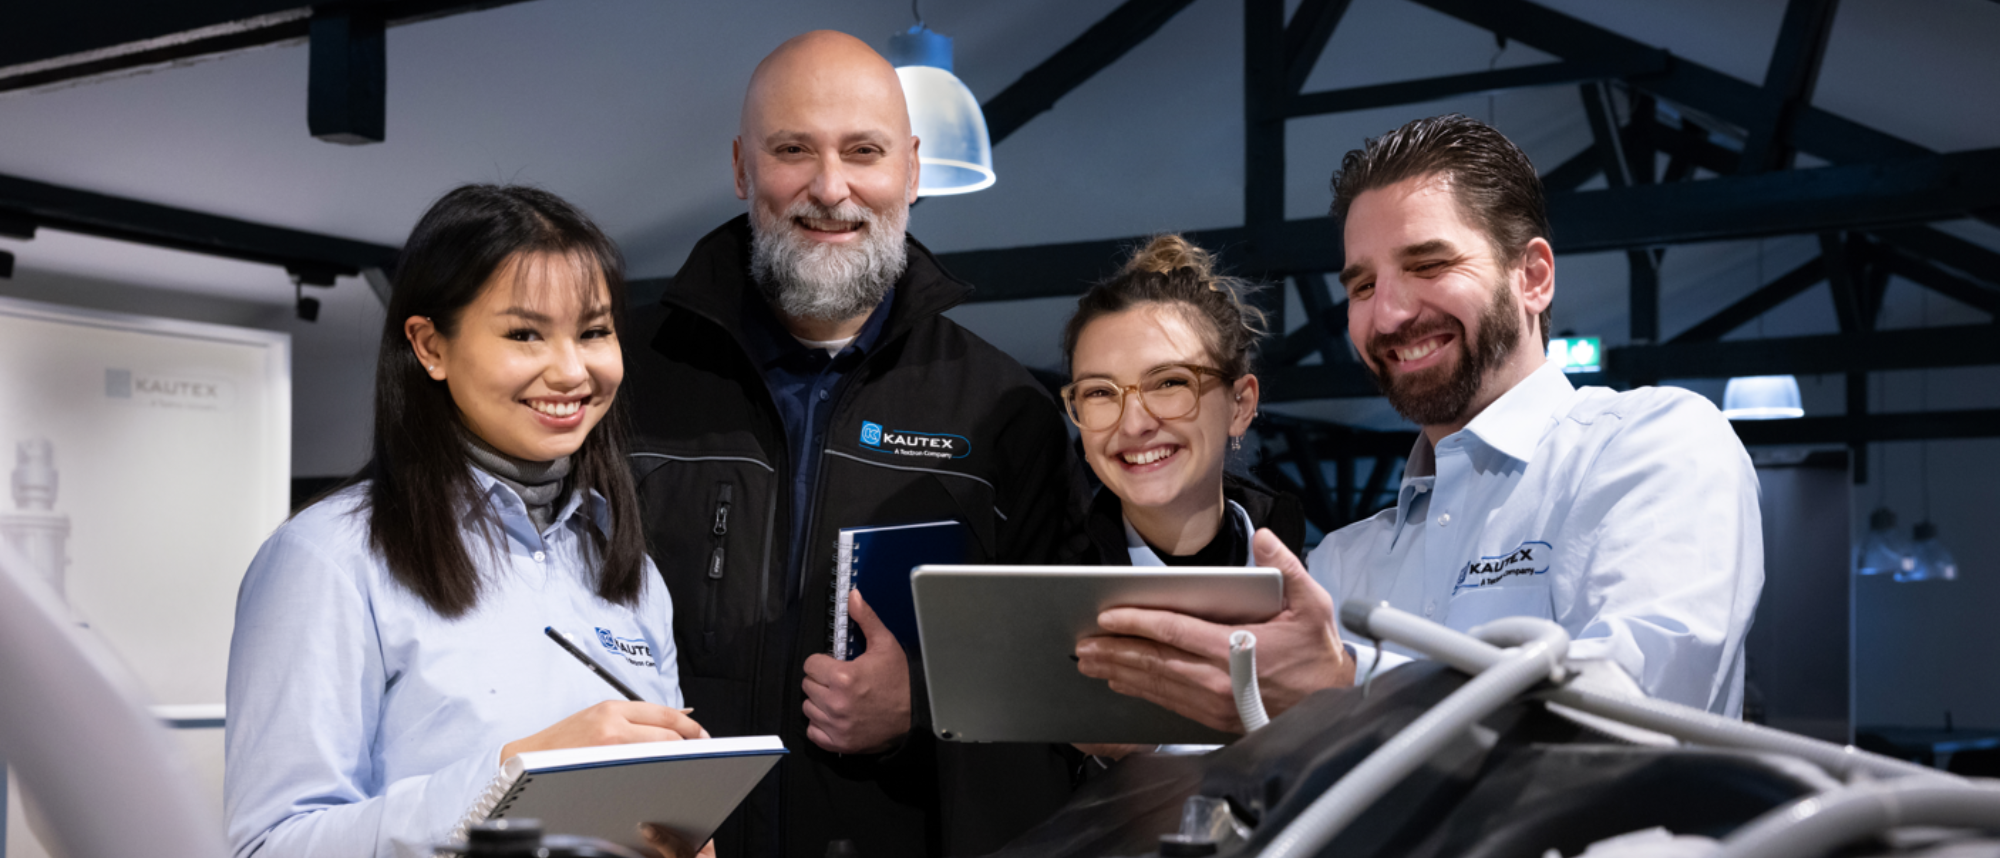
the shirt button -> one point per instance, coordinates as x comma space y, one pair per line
1430, 607
539, 557
1444, 519
822, 395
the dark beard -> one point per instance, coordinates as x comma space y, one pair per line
1433, 398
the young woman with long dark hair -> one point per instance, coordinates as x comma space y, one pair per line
389, 649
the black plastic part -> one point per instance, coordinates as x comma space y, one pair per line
504, 838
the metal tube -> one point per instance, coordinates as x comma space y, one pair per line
1686, 723
1522, 669
1816, 825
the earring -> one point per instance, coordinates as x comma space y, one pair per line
1235, 442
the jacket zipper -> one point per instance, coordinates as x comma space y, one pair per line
717, 562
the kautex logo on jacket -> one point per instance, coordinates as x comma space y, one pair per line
936, 445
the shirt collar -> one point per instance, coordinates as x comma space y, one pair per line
1512, 426
770, 343
509, 505
1515, 423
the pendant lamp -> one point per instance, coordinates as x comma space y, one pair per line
1762, 397
1883, 551
954, 150
1934, 562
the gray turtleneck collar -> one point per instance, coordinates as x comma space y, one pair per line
540, 484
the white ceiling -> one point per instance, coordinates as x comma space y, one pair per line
627, 108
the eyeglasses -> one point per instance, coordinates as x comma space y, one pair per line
1170, 392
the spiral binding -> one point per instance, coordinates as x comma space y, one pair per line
843, 581
499, 795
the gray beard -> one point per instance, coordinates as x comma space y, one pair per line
1427, 399
805, 279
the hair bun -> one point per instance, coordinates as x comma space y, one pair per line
1165, 253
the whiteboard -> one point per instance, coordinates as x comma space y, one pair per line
171, 447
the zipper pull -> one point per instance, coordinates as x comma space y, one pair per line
722, 511
715, 564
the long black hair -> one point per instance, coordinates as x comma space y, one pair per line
421, 482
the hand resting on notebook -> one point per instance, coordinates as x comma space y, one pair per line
613, 722
1182, 662
860, 706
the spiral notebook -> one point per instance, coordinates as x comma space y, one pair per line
878, 560
608, 790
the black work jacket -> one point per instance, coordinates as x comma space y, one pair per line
933, 423
1266, 507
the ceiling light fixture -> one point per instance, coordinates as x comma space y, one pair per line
954, 149
1762, 397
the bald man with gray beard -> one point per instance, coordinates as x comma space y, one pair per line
770, 389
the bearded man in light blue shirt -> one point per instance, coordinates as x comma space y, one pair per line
1629, 518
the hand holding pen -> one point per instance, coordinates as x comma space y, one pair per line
612, 722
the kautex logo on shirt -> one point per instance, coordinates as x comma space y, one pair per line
635, 650
936, 445
1521, 564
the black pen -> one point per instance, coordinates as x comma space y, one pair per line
590, 663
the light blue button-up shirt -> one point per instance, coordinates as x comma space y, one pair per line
1628, 518
362, 723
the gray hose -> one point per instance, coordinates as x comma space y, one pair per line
1469, 654
1816, 825
1243, 680
1521, 669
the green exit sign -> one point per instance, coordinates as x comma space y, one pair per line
1576, 354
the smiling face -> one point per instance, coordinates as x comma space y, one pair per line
826, 160
533, 363
1164, 467
1441, 323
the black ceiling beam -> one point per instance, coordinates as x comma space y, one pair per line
1852, 196
1568, 175
1765, 299
106, 216
1851, 308
1863, 428
1263, 112
1042, 86
347, 75
1344, 380
1938, 280
1726, 97
1448, 86
49, 44
1306, 37
1788, 83
1873, 351
1792, 202
1950, 250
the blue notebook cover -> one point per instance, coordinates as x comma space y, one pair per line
878, 560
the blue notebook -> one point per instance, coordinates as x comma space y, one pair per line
878, 560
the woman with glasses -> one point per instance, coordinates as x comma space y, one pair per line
389, 650
1162, 391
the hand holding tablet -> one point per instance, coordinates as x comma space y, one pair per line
1181, 662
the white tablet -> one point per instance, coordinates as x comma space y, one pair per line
999, 646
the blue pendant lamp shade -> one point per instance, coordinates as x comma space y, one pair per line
1883, 551
954, 150
1762, 397
1934, 561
